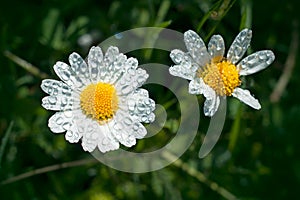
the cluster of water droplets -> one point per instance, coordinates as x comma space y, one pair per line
126, 130
239, 46
196, 47
57, 103
91, 136
60, 121
256, 62
66, 74
60, 95
80, 68
140, 106
95, 59
184, 67
216, 47
114, 65
131, 80
54, 88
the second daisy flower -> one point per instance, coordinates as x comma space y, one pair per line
215, 75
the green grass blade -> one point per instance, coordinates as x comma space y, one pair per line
5, 140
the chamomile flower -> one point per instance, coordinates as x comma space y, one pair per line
214, 75
100, 101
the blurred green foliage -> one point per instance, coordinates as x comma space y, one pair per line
257, 156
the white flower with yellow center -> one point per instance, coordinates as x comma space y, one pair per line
100, 101
214, 75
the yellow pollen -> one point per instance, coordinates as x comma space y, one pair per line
223, 77
99, 101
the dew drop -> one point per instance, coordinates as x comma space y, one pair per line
66, 126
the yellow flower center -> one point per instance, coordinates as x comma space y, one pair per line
99, 101
223, 77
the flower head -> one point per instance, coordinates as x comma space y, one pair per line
99, 101
215, 75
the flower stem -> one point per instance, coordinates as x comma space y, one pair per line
25, 65
48, 169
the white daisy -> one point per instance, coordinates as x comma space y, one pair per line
214, 75
100, 101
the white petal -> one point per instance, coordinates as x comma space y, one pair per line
131, 63
131, 81
185, 67
91, 136
76, 131
65, 73
206, 90
106, 141
140, 106
197, 86
194, 86
211, 105
246, 97
255, 62
181, 58
196, 47
54, 87
72, 135
80, 68
125, 129
95, 62
114, 65
59, 102
95, 135
132, 77
216, 47
60, 121
239, 46
212, 101
181, 71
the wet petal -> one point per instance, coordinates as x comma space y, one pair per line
59, 102
65, 73
91, 136
207, 91
114, 65
95, 62
126, 130
140, 106
75, 132
255, 62
92, 133
246, 97
196, 48
194, 86
211, 105
185, 67
131, 63
212, 101
130, 81
106, 141
80, 68
216, 47
178, 57
54, 87
239, 46
73, 135
60, 121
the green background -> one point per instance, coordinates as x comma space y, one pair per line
257, 156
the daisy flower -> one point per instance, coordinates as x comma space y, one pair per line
214, 75
99, 101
